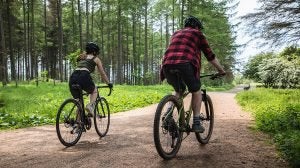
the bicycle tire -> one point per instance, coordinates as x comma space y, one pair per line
170, 130
68, 123
207, 120
102, 117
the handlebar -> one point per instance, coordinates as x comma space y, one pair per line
213, 76
110, 89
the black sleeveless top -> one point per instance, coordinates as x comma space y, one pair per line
87, 63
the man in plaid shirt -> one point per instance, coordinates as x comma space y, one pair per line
184, 55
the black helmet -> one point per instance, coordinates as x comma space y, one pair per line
92, 47
193, 22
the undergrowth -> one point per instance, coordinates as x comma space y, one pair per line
277, 112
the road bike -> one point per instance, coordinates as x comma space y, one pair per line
72, 119
171, 121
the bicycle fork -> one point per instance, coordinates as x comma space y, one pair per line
204, 98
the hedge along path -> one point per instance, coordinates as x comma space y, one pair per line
129, 143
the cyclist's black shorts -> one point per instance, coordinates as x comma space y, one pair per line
82, 78
187, 73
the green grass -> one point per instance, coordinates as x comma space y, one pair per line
277, 112
28, 105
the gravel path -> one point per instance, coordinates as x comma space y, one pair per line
129, 143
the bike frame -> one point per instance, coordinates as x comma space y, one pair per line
185, 116
81, 101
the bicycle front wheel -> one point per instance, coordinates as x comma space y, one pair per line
68, 122
167, 136
207, 117
102, 117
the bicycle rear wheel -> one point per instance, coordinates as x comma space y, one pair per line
167, 136
68, 123
102, 117
207, 117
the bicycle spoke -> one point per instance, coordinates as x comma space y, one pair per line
207, 121
102, 117
68, 123
167, 137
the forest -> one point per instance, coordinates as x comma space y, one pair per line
40, 38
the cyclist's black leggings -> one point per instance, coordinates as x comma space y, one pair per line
187, 73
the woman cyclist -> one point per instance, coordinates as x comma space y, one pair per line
86, 64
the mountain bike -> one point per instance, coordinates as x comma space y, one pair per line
72, 119
171, 121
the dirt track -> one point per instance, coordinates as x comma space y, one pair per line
129, 143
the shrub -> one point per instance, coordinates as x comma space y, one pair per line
277, 112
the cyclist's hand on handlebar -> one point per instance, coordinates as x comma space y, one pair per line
110, 85
218, 75
221, 72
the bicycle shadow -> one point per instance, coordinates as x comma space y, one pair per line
86, 145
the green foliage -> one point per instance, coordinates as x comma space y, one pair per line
44, 76
28, 105
129, 97
18, 110
72, 57
279, 72
251, 69
275, 21
290, 53
277, 112
121, 35
275, 70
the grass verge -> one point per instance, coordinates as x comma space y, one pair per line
277, 112
28, 105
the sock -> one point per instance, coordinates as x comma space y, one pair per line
196, 120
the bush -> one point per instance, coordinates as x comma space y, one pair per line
277, 112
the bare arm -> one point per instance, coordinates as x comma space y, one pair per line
216, 64
101, 70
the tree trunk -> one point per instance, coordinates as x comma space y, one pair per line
126, 57
146, 82
167, 30
87, 20
173, 16
3, 54
60, 40
27, 44
45, 61
134, 68
80, 25
108, 55
35, 56
10, 38
34, 67
119, 59
101, 29
73, 24
140, 49
92, 20
182, 11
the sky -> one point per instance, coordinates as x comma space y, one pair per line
251, 49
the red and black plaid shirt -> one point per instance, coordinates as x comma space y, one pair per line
186, 46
